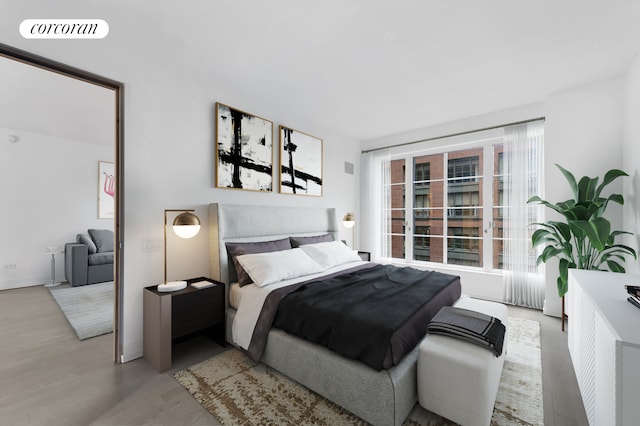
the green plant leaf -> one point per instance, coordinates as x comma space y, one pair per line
552, 233
616, 233
621, 248
596, 230
604, 202
548, 253
615, 255
609, 177
579, 228
601, 229
566, 205
615, 266
593, 209
571, 179
539, 200
562, 287
610, 256
578, 212
563, 279
563, 229
541, 236
587, 189
617, 198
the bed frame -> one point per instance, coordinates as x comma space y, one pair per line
380, 397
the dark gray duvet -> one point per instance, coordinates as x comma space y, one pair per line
373, 313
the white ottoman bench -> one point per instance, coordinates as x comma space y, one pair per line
459, 380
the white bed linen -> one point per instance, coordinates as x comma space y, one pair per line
251, 298
275, 266
235, 293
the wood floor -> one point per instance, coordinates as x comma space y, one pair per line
49, 377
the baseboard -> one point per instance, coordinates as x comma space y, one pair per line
551, 310
24, 282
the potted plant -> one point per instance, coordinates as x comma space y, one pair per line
585, 239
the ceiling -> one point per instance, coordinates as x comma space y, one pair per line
38, 101
372, 68
368, 68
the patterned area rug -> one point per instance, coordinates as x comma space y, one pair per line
239, 392
88, 308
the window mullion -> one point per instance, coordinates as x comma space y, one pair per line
487, 207
445, 206
409, 222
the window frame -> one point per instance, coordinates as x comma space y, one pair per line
486, 140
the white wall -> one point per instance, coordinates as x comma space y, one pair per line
631, 159
49, 194
169, 145
496, 118
583, 133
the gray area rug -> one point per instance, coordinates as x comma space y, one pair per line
88, 308
238, 391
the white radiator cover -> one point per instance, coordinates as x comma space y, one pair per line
604, 344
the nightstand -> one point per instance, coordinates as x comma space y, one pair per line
173, 316
365, 255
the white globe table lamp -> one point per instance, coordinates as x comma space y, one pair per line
185, 225
349, 222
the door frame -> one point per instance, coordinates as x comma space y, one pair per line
118, 89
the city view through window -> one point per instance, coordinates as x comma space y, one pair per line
448, 209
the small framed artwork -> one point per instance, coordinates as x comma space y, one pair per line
106, 190
300, 163
244, 152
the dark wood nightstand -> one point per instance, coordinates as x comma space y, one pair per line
173, 316
365, 255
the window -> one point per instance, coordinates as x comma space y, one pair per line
464, 202
464, 169
422, 243
498, 207
463, 245
422, 197
397, 216
422, 172
447, 205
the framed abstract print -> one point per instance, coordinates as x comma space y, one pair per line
244, 150
106, 190
300, 163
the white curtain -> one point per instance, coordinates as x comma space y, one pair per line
376, 177
523, 168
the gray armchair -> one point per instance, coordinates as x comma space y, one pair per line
90, 259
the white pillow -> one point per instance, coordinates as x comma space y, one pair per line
330, 254
275, 266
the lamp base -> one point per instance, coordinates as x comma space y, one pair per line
172, 286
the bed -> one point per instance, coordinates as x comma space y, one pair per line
383, 397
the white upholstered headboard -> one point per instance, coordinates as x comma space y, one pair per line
245, 223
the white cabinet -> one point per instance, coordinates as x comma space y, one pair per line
604, 344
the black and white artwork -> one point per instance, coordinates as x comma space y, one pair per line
300, 163
244, 157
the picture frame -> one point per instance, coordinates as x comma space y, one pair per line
106, 190
244, 150
301, 163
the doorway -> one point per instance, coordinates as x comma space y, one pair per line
117, 89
